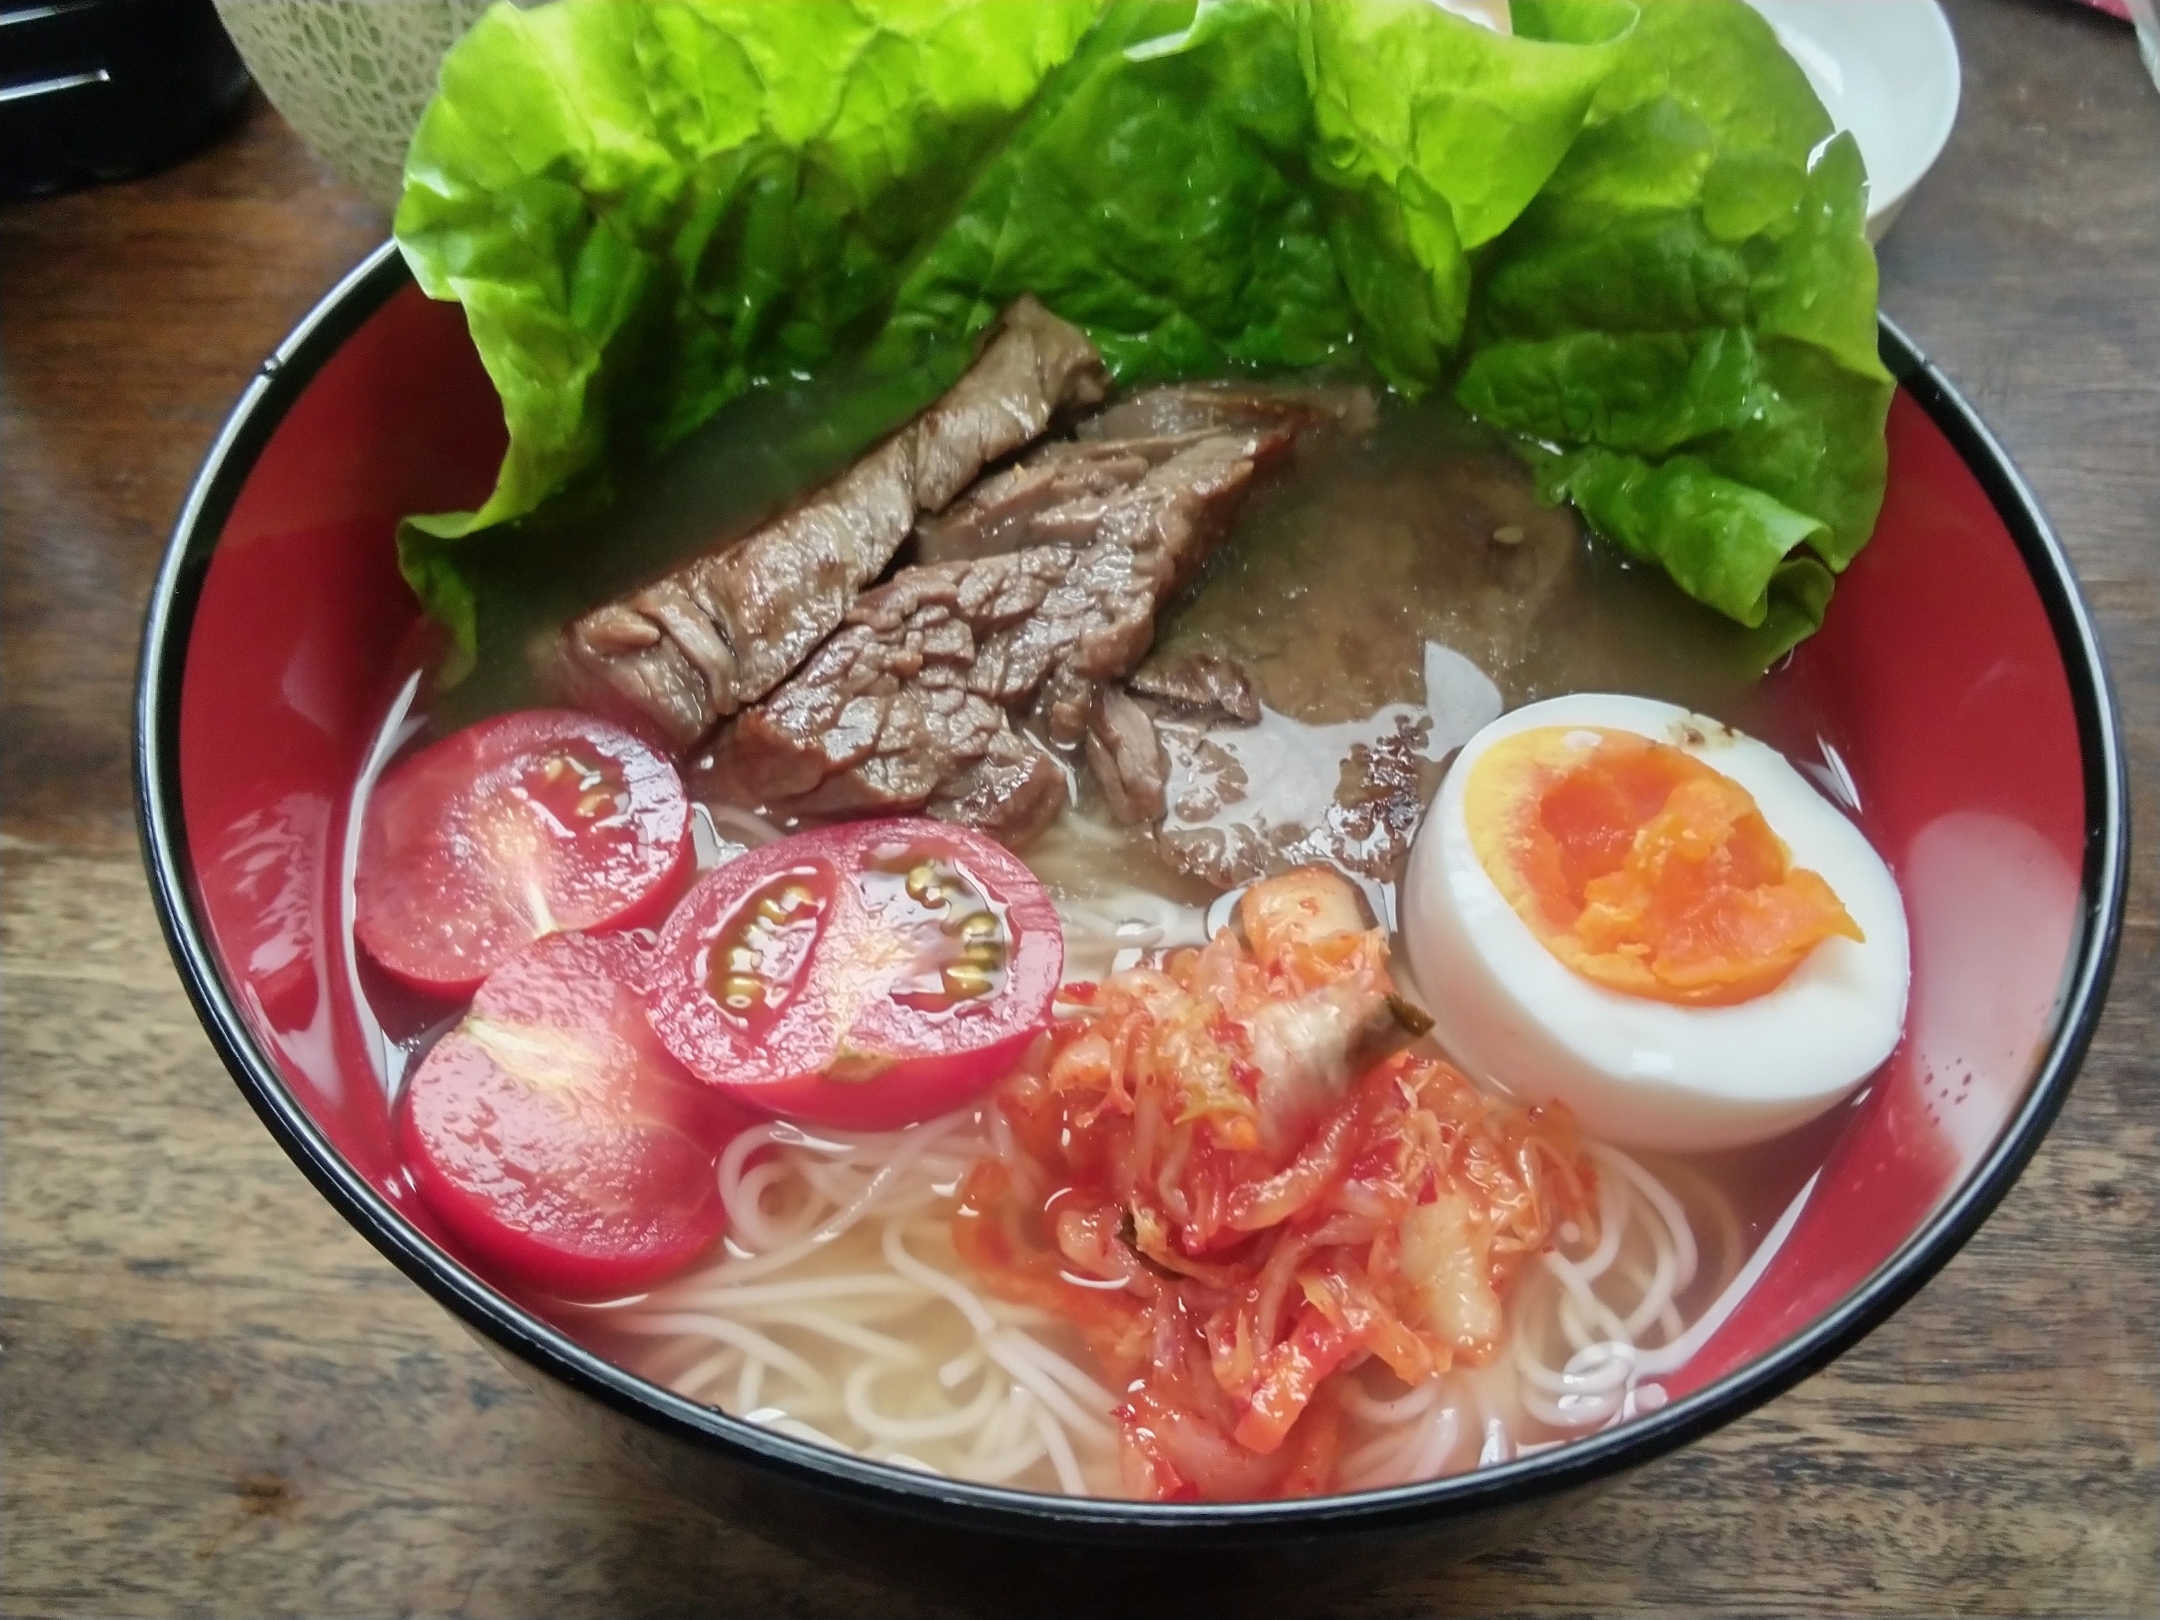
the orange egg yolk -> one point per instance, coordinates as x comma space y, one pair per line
1642, 868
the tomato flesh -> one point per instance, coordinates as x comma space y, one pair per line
555, 1137
865, 976
523, 825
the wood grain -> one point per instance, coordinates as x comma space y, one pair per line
215, 1399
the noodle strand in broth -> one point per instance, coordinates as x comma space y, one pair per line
839, 1310
841, 1314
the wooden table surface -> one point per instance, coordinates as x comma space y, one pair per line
217, 1400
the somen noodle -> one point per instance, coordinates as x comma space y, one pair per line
841, 1314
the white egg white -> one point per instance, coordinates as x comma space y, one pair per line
1639, 1072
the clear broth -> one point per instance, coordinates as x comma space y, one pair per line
1343, 569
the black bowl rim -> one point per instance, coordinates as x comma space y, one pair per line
2076, 1013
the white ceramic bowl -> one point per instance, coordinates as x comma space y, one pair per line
1888, 71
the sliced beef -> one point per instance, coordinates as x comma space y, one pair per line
1129, 553
885, 711
1012, 793
1115, 449
1126, 757
999, 513
695, 646
916, 701
1194, 407
1200, 686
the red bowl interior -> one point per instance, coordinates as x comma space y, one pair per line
1940, 672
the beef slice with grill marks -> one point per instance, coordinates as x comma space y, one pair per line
679, 655
915, 702
1126, 758
1200, 686
1004, 511
1116, 448
998, 514
1182, 408
885, 711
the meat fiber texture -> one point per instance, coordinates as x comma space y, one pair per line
916, 703
678, 656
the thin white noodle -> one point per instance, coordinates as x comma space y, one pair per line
1670, 1358
1400, 1409
1005, 1426
1663, 1202
1414, 1447
1669, 1324
1061, 1453
878, 1346
846, 1285
837, 1181
962, 1297
1093, 831
1026, 1370
746, 1209
1440, 1435
1021, 1316
737, 1153
758, 1265
896, 1355
795, 1428
742, 826
1585, 1316
1002, 1141
1056, 1367
1593, 1370
706, 1372
1005, 1465
1366, 1467
743, 1338
1657, 1287
1496, 1448
961, 1368
855, 1396
1612, 1223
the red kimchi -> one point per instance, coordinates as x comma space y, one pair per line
1238, 1193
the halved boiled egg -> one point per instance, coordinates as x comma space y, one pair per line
1655, 919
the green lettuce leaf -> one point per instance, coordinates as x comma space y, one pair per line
1159, 197
648, 209
1617, 234
1267, 184
1723, 542
1434, 138
1684, 322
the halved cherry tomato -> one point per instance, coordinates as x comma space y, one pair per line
524, 825
554, 1136
865, 976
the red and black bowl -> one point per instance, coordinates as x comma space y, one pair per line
1968, 699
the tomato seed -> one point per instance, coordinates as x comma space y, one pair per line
964, 980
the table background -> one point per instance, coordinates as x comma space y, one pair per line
216, 1399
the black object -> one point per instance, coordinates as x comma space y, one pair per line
1019, 1554
103, 89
